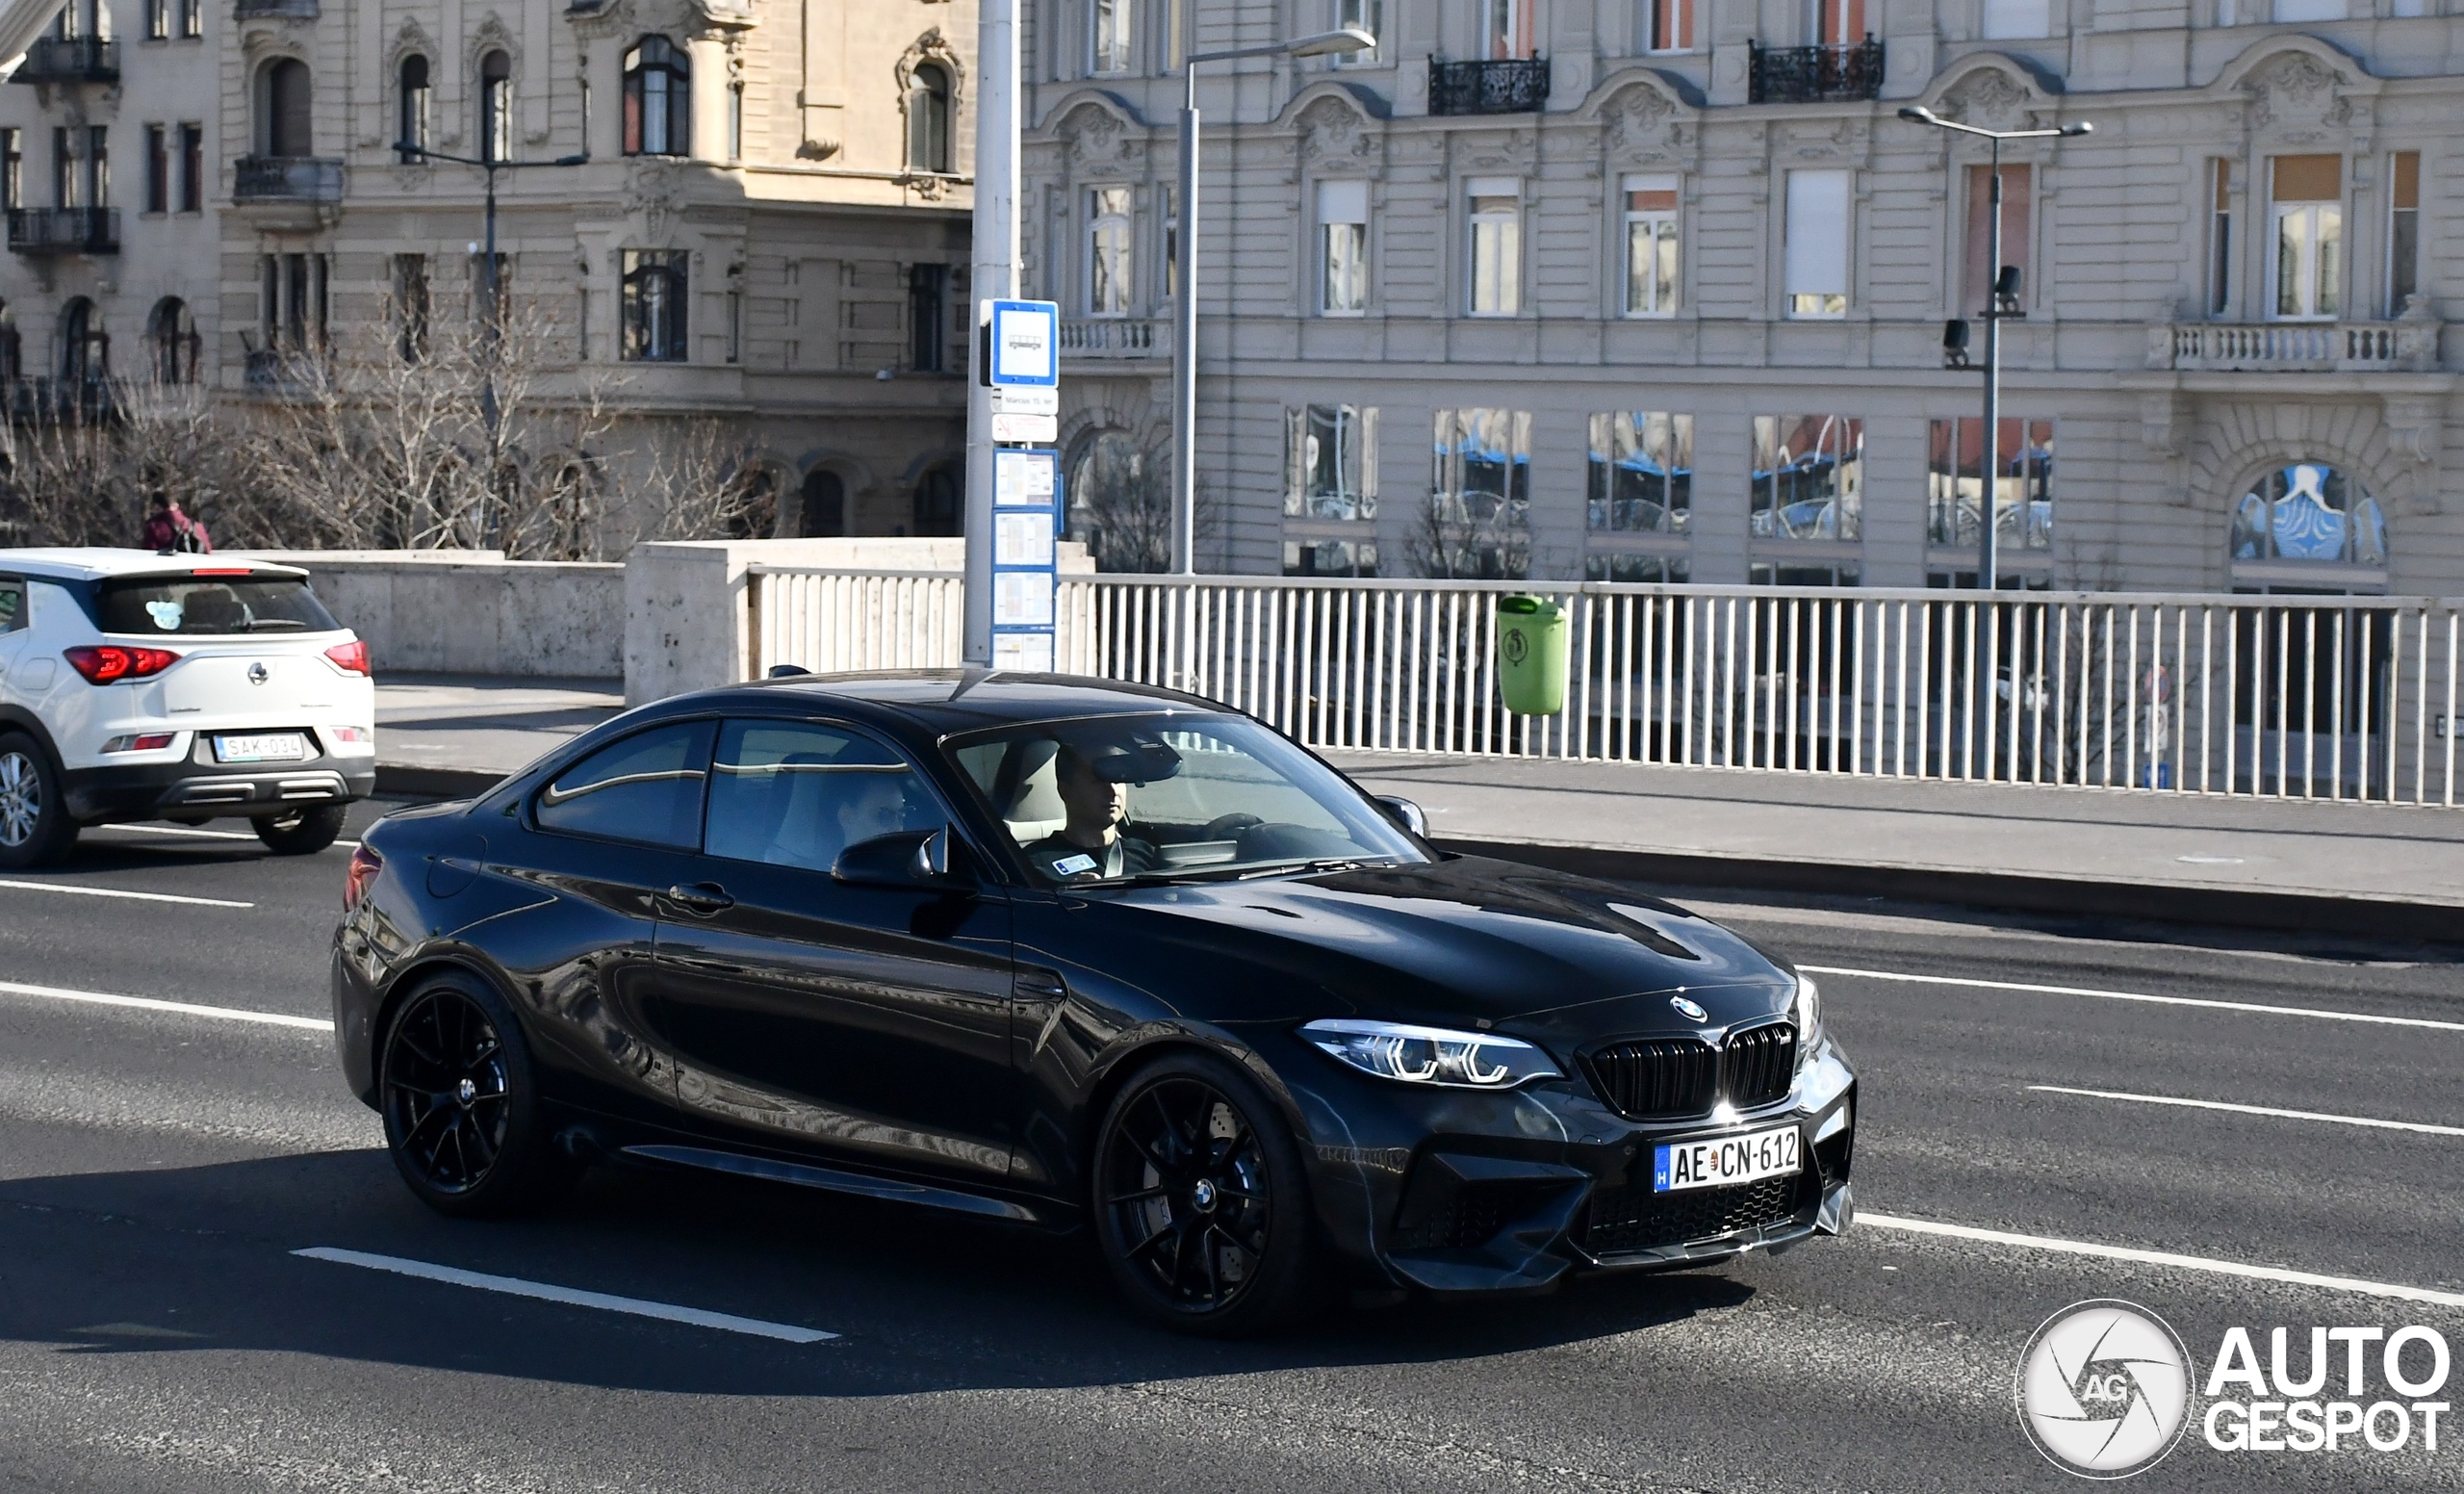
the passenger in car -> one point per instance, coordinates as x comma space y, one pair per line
1090, 844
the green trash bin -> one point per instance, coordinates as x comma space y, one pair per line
1532, 655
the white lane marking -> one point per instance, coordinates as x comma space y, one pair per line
515, 1286
203, 834
2141, 995
228, 1014
140, 897
2207, 1263
2256, 1110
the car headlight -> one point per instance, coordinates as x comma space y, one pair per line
1431, 1055
1806, 1010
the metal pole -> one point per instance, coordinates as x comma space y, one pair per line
491, 313
993, 277
1184, 344
1988, 552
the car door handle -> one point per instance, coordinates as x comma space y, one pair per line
701, 897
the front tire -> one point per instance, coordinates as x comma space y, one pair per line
34, 827
461, 1103
301, 832
1200, 1206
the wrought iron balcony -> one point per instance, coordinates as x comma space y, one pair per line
1850, 73
1513, 86
317, 179
287, 10
2409, 345
63, 231
69, 60
78, 400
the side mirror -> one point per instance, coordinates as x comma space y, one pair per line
1406, 813
911, 858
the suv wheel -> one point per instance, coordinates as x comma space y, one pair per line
301, 832
34, 827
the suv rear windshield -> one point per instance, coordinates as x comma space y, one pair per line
191, 605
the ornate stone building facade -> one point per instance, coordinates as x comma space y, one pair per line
770, 223
1656, 289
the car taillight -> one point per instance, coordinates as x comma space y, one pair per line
365, 865
350, 657
109, 663
152, 741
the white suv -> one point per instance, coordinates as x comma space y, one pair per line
136, 685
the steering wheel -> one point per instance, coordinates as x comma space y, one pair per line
1226, 827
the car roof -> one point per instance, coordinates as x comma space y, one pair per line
946, 701
69, 563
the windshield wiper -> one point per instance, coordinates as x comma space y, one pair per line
1322, 863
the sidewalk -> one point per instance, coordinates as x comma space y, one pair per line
2349, 868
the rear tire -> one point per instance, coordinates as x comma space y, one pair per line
460, 1099
301, 832
34, 827
1201, 1209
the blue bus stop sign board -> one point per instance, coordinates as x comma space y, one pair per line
1026, 524
1025, 344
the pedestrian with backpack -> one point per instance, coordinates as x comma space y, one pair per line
171, 533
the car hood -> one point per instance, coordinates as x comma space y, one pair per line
1531, 951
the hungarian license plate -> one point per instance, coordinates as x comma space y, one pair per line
261, 747
1724, 1160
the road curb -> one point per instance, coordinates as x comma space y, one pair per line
2230, 906
404, 781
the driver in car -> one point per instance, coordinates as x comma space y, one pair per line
1090, 843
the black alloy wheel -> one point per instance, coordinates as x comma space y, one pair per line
34, 827
301, 832
1200, 1208
461, 1113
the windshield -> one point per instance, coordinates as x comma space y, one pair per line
1171, 796
192, 604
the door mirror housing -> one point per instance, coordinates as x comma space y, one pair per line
915, 859
1404, 813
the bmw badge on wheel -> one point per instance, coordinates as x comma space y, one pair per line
2104, 1390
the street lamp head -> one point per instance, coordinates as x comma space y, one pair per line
408, 149
1917, 113
570, 161
2083, 127
1326, 43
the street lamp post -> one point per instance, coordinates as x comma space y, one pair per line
1351, 38
1988, 550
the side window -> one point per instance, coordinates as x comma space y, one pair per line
646, 788
795, 793
12, 604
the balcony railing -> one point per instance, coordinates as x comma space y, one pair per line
1513, 86
63, 231
77, 399
1115, 337
287, 10
1848, 73
288, 180
2295, 347
69, 60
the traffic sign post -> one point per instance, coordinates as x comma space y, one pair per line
1026, 524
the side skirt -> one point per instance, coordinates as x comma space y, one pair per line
832, 1179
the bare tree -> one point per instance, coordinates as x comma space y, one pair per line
1472, 536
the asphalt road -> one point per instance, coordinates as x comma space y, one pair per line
159, 1169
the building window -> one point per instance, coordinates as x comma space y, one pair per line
1839, 22
658, 99
1815, 247
941, 502
735, 123
2295, 12
410, 131
1809, 485
285, 108
1172, 243
1319, 556
2306, 197
292, 301
2017, 206
1642, 473
2023, 495
495, 107
191, 168
66, 184
1109, 246
1108, 41
12, 168
1343, 247
927, 318
1479, 522
928, 119
85, 348
2403, 229
1496, 258
1671, 26
1119, 504
158, 19
192, 18
824, 512
1330, 463
1650, 245
654, 289
2220, 237
170, 335
2017, 18
1368, 16
158, 168
99, 165
410, 307
2308, 526
1505, 30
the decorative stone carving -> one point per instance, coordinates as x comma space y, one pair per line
2295, 97
1332, 132
1098, 139
1636, 122
651, 196
1987, 97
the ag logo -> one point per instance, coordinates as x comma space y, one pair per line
1516, 648
2104, 1390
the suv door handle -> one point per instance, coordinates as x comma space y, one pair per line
701, 897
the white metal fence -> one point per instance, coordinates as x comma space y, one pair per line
2310, 697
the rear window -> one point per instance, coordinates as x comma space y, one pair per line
191, 605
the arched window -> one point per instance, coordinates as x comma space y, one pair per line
658, 99
824, 514
2308, 527
11, 348
85, 348
939, 503
1117, 504
411, 128
284, 107
928, 119
172, 342
495, 107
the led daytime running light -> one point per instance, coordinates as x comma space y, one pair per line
1430, 1055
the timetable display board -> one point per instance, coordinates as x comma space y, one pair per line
1026, 528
